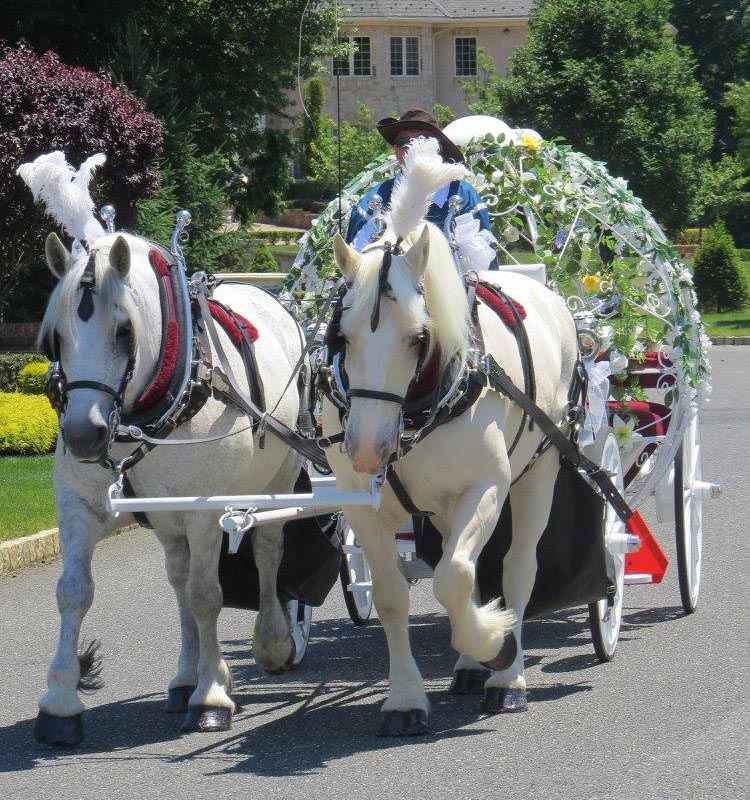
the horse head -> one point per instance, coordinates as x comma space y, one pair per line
103, 327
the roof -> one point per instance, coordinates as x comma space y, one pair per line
439, 9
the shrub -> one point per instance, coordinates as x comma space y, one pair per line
688, 236
28, 425
32, 378
47, 105
719, 280
263, 260
11, 364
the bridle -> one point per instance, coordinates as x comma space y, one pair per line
57, 385
337, 351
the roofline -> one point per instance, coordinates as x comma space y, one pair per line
453, 22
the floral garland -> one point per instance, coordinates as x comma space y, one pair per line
604, 253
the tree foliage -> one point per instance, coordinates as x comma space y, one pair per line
604, 75
718, 34
719, 281
47, 105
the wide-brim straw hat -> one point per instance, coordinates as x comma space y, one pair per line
417, 119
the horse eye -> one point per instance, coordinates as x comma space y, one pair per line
124, 330
418, 340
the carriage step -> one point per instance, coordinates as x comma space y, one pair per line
638, 579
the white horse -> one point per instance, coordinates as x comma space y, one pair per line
461, 472
127, 316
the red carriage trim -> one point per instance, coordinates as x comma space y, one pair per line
652, 420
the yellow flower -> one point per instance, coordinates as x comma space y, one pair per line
531, 142
591, 283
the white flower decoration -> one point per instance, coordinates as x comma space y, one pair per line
510, 234
625, 433
618, 363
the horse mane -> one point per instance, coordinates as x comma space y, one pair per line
447, 315
111, 290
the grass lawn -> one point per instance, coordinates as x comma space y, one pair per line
28, 503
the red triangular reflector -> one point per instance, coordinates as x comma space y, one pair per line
650, 559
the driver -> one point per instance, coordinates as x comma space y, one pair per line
399, 133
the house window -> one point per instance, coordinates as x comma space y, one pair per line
357, 63
466, 56
405, 55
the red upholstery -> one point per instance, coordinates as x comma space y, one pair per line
653, 420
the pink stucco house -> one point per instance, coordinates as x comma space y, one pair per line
416, 52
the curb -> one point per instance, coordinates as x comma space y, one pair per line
28, 551
730, 340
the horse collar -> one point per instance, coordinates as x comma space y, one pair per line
88, 284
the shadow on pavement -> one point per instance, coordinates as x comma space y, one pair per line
329, 707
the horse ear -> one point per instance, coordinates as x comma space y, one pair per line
347, 258
418, 253
58, 259
119, 256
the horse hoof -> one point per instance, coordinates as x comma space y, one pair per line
177, 700
468, 681
287, 665
58, 731
403, 723
202, 719
506, 656
498, 700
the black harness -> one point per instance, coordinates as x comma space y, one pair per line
480, 372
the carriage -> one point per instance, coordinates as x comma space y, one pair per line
559, 218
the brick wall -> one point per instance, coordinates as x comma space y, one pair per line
18, 336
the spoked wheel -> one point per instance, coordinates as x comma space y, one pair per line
356, 580
688, 514
300, 618
605, 619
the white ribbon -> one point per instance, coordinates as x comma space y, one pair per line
596, 406
475, 245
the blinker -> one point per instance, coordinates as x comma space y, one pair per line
88, 283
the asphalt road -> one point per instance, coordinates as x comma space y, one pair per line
668, 718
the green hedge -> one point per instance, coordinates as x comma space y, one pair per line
11, 364
32, 378
28, 425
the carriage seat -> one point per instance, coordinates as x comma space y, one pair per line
652, 422
536, 271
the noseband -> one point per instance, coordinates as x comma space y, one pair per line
384, 290
58, 387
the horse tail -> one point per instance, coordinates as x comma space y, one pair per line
90, 661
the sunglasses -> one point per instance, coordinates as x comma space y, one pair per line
404, 141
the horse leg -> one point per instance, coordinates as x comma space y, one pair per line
483, 633
405, 710
177, 563
469, 676
531, 500
60, 719
273, 646
210, 707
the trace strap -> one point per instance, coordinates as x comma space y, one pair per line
308, 448
500, 380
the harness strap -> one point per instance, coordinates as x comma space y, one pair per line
499, 380
402, 495
371, 394
308, 448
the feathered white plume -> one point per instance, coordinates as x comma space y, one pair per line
65, 192
423, 174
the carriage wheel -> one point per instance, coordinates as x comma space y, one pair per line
300, 618
605, 620
354, 570
688, 515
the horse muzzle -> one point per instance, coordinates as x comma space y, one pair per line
86, 436
370, 454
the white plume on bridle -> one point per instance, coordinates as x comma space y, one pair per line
65, 193
424, 172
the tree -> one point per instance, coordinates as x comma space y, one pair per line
313, 122
719, 281
47, 105
605, 75
718, 34
210, 63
